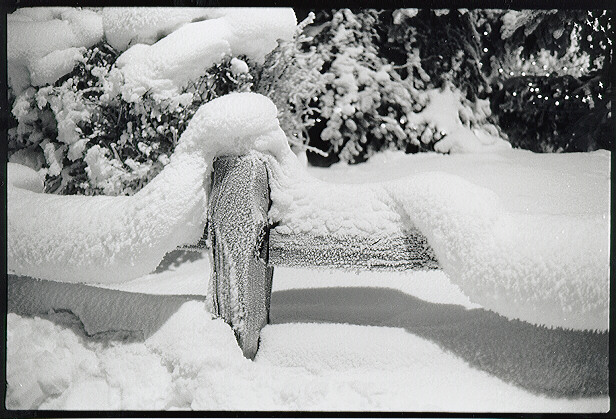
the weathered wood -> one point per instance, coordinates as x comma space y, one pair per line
237, 226
410, 251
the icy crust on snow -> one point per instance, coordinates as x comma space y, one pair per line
163, 68
34, 33
105, 239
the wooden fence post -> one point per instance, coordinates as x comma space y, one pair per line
238, 228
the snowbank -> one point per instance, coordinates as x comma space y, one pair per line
164, 68
111, 239
383, 358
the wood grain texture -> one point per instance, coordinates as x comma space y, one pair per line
237, 225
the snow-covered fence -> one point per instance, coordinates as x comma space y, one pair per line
482, 247
245, 252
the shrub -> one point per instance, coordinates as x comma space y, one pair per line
90, 142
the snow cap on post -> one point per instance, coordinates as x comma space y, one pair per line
235, 124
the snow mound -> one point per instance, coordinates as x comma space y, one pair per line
146, 25
163, 68
105, 239
32, 34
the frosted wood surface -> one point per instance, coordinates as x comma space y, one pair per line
410, 251
237, 223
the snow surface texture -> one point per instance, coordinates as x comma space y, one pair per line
544, 269
412, 342
164, 68
126, 26
42, 43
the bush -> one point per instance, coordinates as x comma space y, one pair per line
365, 104
291, 77
545, 72
89, 142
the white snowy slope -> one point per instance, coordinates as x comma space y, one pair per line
371, 350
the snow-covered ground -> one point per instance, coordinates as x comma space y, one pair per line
339, 340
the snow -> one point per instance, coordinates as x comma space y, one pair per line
41, 42
163, 68
115, 239
146, 25
33, 34
522, 235
444, 106
375, 344
351, 359
544, 268
48, 69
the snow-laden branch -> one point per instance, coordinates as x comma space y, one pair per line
163, 68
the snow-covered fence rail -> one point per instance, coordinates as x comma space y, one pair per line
245, 251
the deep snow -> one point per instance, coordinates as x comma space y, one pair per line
338, 340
